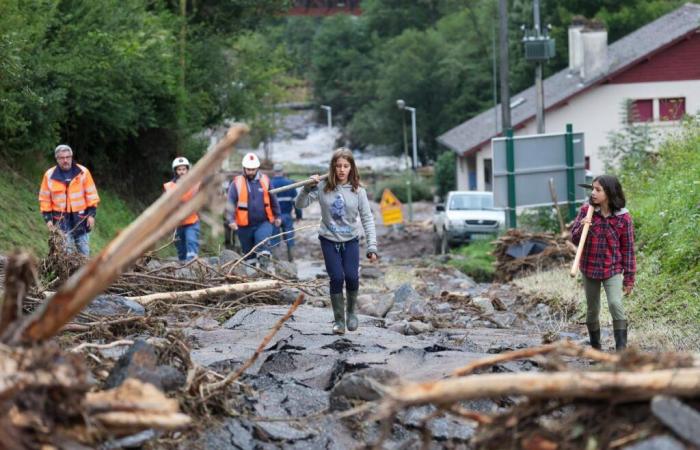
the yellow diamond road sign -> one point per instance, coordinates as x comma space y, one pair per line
390, 206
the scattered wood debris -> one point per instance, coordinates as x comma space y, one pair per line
518, 252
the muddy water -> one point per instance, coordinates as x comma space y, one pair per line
416, 333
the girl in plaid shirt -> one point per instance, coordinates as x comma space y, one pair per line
608, 257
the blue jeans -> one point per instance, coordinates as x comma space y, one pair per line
252, 235
287, 226
81, 242
187, 241
342, 264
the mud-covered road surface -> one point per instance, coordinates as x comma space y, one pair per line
420, 319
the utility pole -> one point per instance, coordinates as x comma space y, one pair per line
539, 48
539, 87
504, 66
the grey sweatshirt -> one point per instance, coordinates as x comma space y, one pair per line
340, 210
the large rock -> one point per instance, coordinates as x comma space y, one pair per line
405, 293
377, 305
363, 385
114, 305
484, 304
141, 362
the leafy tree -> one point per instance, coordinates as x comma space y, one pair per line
446, 173
340, 67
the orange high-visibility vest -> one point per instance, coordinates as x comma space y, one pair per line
242, 205
80, 194
192, 218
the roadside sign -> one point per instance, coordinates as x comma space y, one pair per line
523, 166
390, 206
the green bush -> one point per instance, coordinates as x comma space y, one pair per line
475, 260
663, 195
541, 219
420, 189
445, 173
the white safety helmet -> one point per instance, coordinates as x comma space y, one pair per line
250, 161
181, 161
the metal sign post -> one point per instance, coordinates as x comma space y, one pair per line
510, 163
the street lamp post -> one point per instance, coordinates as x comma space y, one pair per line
402, 106
329, 115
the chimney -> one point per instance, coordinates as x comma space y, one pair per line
575, 44
594, 40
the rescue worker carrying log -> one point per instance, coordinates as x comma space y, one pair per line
252, 210
68, 200
187, 233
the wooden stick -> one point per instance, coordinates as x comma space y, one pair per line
582, 242
233, 376
296, 185
199, 294
157, 221
20, 275
597, 385
553, 193
85, 345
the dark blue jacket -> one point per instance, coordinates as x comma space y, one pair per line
286, 198
256, 206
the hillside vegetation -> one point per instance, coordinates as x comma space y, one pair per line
663, 193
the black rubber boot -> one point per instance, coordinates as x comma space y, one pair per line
620, 333
290, 254
352, 318
594, 334
338, 303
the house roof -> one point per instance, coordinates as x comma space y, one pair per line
563, 85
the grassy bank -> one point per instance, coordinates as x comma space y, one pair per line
22, 224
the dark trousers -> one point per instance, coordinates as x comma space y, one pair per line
342, 264
252, 235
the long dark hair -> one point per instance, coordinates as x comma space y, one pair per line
613, 190
353, 176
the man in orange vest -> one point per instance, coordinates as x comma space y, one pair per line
68, 200
187, 234
252, 210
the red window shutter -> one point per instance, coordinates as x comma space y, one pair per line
641, 111
671, 108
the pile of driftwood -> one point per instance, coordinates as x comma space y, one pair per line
627, 398
52, 395
551, 251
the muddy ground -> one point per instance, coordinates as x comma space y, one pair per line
421, 320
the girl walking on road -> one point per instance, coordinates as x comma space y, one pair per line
608, 256
342, 201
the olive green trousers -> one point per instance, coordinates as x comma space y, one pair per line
613, 291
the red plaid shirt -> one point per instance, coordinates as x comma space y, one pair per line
609, 248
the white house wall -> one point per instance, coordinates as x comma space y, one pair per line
597, 112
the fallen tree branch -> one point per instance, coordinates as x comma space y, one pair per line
241, 288
562, 347
158, 220
233, 376
85, 345
20, 275
620, 386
